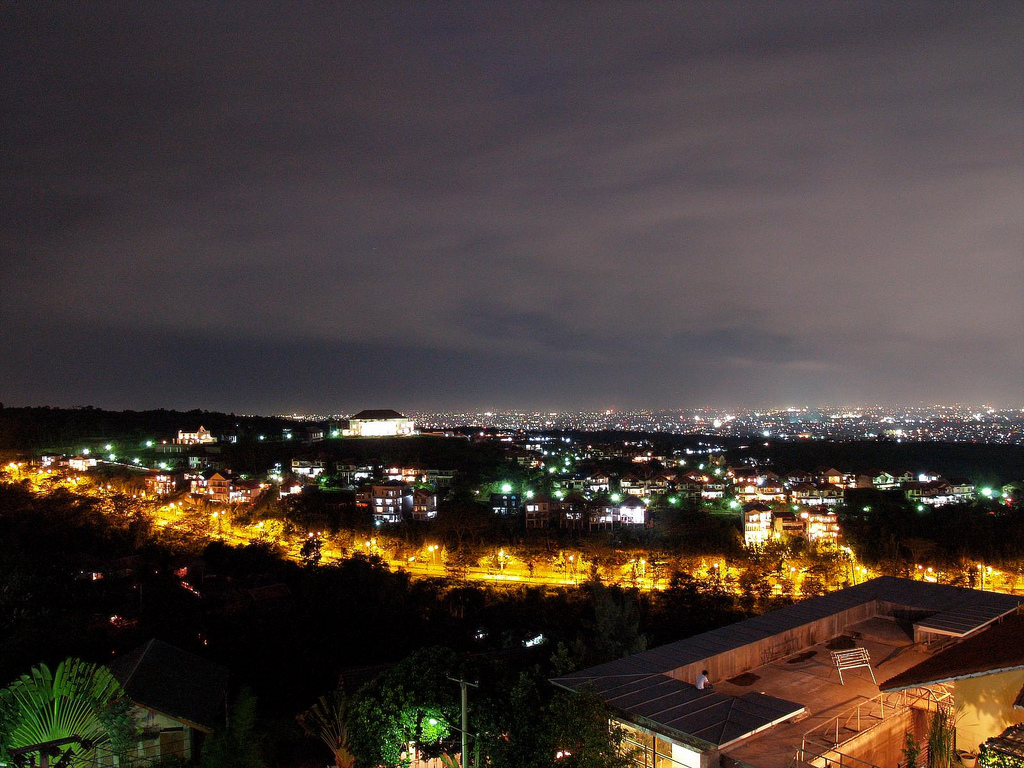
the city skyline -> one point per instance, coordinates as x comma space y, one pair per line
568, 208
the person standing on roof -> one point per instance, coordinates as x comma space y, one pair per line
703, 683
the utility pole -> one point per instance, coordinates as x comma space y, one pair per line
464, 685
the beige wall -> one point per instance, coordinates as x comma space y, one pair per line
152, 724
985, 706
738, 660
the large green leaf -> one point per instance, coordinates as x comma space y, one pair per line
77, 699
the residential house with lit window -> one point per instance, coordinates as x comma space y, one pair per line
757, 524
540, 511
424, 504
632, 484
246, 491
629, 512
962, 490
201, 436
349, 473
505, 504
598, 482
213, 485
787, 525
572, 512
832, 476
820, 527
309, 467
797, 477
82, 463
392, 501
163, 483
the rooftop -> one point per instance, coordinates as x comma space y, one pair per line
810, 677
380, 414
999, 648
775, 674
174, 682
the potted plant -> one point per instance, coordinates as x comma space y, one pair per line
968, 758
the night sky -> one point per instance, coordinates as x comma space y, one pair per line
332, 206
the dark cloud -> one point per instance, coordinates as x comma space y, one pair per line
637, 204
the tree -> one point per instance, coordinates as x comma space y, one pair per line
77, 699
326, 720
578, 735
237, 746
311, 551
413, 702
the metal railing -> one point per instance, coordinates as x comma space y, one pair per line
826, 738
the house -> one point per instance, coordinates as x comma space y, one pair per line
788, 525
212, 484
540, 511
609, 514
632, 484
781, 696
308, 466
598, 482
439, 478
572, 512
82, 463
424, 504
178, 698
804, 494
245, 491
391, 502
820, 526
830, 475
963, 490
757, 524
877, 479
505, 504
797, 477
163, 483
350, 473
984, 672
380, 423
201, 436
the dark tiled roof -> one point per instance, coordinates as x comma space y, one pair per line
1000, 647
384, 414
713, 717
174, 682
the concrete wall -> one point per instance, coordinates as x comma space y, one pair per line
882, 745
985, 706
731, 663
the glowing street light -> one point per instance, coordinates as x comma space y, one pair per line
506, 488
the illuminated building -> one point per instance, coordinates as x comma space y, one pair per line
201, 436
382, 423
